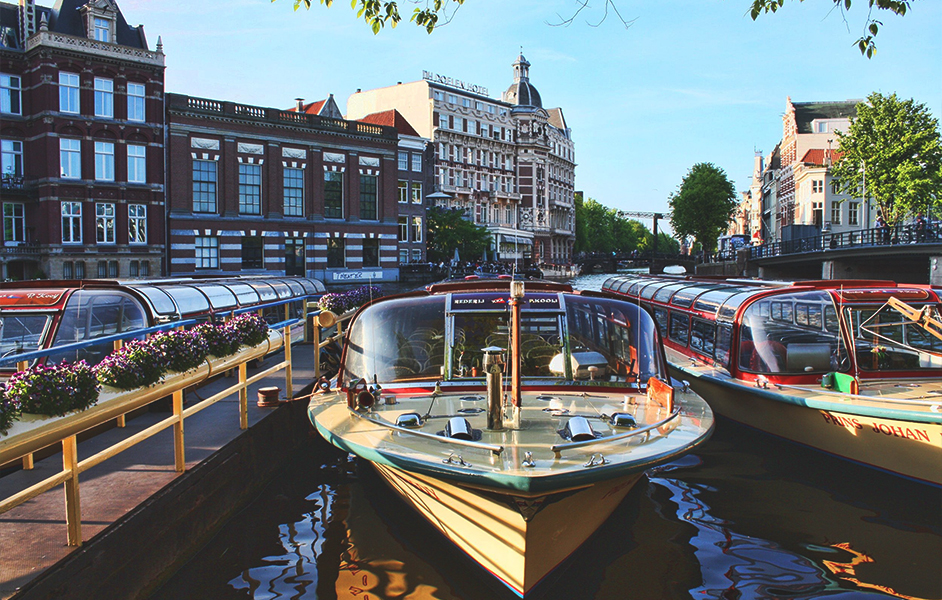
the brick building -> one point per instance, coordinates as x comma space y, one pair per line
269, 191
81, 135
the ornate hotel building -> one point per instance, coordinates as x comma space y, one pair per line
81, 143
508, 164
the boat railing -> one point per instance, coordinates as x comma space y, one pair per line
934, 404
115, 404
494, 448
324, 321
559, 448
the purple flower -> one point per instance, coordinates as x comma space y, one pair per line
49, 390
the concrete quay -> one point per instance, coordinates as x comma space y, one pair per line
141, 519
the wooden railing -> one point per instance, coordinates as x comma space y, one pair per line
29, 435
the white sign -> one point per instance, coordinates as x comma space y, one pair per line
357, 275
455, 83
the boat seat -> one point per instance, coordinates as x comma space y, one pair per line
800, 358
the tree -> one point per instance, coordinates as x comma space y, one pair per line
891, 153
378, 13
449, 230
595, 231
703, 204
871, 26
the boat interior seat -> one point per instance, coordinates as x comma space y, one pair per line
762, 357
801, 358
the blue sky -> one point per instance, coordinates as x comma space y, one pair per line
689, 81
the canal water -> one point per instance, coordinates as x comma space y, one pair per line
745, 517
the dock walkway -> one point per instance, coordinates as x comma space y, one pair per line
136, 507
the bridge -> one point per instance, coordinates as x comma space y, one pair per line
611, 262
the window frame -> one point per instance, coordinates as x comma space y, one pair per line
250, 189
416, 162
12, 156
10, 90
416, 226
206, 251
403, 229
369, 197
293, 200
139, 102
72, 156
203, 186
416, 192
74, 218
336, 247
104, 161
105, 223
137, 223
137, 164
253, 253
14, 222
69, 93
373, 244
333, 198
104, 97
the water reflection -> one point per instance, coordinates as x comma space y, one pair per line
747, 517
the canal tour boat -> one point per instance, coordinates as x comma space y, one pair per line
513, 415
853, 368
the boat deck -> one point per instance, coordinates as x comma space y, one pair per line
120, 493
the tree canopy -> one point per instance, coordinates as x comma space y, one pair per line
703, 204
448, 230
891, 153
603, 229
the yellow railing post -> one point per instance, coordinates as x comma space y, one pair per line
118, 344
289, 390
243, 398
73, 508
179, 450
304, 316
28, 459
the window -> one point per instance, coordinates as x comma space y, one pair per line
139, 268
294, 192
104, 161
137, 223
136, 102
679, 328
416, 192
403, 161
70, 158
416, 255
294, 256
104, 98
417, 162
68, 93
817, 186
835, 213
853, 213
11, 158
403, 256
14, 222
71, 222
403, 191
250, 189
336, 253
10, 95
416, 229
73, 270
104, 223
102, 30
204, 186
371, 252
107, 268
252, 252
333, 194
207, 252
403, 229
368, 197
817, 213
137, 163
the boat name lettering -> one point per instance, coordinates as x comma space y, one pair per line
893, 430
469, 301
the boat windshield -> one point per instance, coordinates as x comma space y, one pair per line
21, 332
885, 340
792, 333
407, 339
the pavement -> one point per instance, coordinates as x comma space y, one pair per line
33, 536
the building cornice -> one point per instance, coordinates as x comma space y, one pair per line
59, 41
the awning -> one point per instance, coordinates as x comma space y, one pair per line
515, 240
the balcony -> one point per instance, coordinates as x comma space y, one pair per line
22, 250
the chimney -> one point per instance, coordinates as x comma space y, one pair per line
300, 104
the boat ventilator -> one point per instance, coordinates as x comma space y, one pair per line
528, 460
458, 428
578, 429
558, 448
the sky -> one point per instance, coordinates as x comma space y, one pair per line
689, 81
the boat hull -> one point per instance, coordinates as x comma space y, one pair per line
905, 448
490, 527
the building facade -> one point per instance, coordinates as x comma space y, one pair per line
82, 140
507, 164
269, 191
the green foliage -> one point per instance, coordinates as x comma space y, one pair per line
894, 147
377, 13
448, 229
703, 204
603, 229
865, 44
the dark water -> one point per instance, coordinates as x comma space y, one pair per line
746, 517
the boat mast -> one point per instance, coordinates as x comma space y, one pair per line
516, 301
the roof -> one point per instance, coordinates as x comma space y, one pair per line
322, 108
521, 92
67, 18
311, 108
816, 156
806, 112
556, 118
391, 118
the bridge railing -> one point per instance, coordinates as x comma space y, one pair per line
899, 234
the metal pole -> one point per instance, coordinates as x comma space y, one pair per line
243, 398
73, 507
179, 452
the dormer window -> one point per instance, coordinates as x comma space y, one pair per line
102, 29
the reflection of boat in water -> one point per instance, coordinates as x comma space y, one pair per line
516, 471
853, 368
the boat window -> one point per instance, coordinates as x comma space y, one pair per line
724, 341
885, 340
616, 337
660, 316
281, 288
159, 300
634, 288
685, 297
398, 340
91, 314
665, 292
189, 300
472, 333
702, 336
219, 297
21, 332
648, 291
679, 326
295, 286
265, 292
245, 293
711, 301
727, 311
830, 320
786, 334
